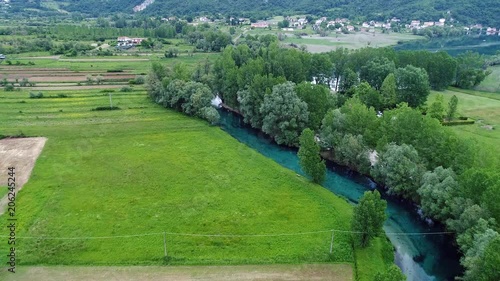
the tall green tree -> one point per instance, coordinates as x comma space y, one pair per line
482, 259
470, 70
318, 99
388, 91
353, 153
375, 71
452, 108
332, 128
310, 159
412, 85
251, 99
436, 109
368, 218
399, 167
437, 190
285, 114
369, 96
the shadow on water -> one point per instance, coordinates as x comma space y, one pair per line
421, 257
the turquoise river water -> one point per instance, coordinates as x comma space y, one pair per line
422, 257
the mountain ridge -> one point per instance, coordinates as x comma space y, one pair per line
484, 12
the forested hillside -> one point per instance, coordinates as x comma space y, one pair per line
463, 11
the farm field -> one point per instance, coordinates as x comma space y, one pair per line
110, 185
318, 44
492, 82
485, 109
317, 272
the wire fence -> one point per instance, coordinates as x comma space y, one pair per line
193, 248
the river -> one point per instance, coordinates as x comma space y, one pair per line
421, 257
486, 45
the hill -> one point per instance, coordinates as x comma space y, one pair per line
462, 11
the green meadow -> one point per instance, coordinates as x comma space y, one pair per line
492, 82
109, 186
483, 107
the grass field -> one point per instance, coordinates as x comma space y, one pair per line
316, 44
3, 191
357, 40
492, 82
371, 260
485, 109
144, 170
139, 64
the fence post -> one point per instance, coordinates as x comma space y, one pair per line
165, 243
331, 243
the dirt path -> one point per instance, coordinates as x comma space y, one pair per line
21, 154
307, 272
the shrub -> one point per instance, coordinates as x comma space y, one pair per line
114, 70
459, 122
107, 91
9, 88
126, 89
38, 95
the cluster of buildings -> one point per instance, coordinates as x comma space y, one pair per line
143, 6
127, 43
489, 31
416, 24
492, 31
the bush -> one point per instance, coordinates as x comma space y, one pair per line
459, 122
102, 108
126, 89
114, 70
38, 95
107, 91
9, 88
139, 80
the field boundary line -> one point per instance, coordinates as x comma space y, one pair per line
228, 235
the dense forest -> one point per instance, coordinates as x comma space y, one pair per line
462, 11
379, 107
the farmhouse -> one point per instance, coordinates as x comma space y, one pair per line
491, 31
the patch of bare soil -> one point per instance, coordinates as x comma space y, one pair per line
20, 153
304, 272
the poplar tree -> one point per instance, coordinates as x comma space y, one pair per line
310, 159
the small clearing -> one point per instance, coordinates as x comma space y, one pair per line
309, 272
20, 153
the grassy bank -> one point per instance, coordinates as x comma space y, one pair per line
117, 180
485, 109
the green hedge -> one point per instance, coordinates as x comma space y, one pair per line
459, 122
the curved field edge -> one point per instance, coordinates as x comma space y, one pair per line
144, 170
318, 272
